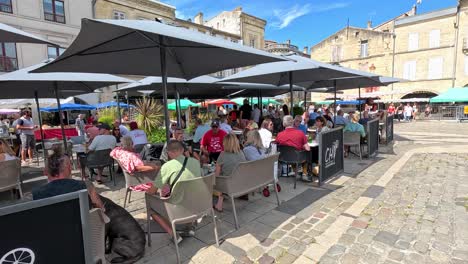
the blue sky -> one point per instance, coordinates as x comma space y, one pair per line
307, 22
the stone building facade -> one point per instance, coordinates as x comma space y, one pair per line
285, 48
54, 20
425, 49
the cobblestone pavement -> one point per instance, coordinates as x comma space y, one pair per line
409, 205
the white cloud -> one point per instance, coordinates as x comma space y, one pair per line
284, 17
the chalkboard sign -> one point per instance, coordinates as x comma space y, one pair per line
331, 157
372, 137
47, 231
389, 129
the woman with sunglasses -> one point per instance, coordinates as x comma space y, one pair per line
6, 153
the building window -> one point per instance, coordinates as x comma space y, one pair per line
336, 53
8, 59
252, 42
118, 15
434, 38
409, 71
54, 52
413, 41
5, 6
435, 68
54, 10
364, 49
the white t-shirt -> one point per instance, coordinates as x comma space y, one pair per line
103, 142
256, 115
408, 110
266, 135
138, 137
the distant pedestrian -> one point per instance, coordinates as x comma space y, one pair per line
80, 125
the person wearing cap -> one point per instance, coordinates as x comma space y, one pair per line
138, 136
103, 141
212, 142
177, 135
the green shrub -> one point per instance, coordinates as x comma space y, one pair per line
157, 135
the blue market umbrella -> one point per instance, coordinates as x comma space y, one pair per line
67, 107
112, 104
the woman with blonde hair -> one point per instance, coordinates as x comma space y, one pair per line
6, 153
227, 161
253, 149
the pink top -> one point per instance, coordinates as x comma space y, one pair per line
129, 160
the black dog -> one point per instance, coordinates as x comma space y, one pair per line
125, 236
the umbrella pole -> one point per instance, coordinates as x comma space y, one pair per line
291, 92
305, 100
334, 115
179, 115
119, 115
40, 124
162, 51
360, 106
60, 117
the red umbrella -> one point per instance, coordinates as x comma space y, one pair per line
217, 102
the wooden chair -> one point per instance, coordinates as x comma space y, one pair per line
10, 176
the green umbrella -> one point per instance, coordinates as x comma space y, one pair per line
265, 101
453, 95
184, 104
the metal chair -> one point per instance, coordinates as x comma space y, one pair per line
100, 159
291, 156
195, 201
353, 139
248, 177
10, 176
135, 179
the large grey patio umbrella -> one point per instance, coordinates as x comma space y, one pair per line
295, 71
149, 48
12, 34
203, 87
23, 84
353, 83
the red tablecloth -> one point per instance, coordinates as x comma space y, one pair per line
55, 133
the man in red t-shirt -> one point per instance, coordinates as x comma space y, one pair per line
212, 142
293, 137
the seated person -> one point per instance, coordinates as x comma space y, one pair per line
354, 126
116, 134
168, 173
224, 125
227, 161
298, 124
253, 149
365, 118
6, 153
320, 123
329, 120
293, 137
212, 142
265, 132
92, 131
200, 130
138, 136
131, 161
340, 119
101, 142
58, 173
178, 135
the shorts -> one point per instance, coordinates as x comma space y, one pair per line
214, 156
27, 141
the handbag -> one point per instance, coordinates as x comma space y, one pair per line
167, 187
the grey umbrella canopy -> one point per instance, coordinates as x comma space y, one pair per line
12, 34
352, 82
149, 48
295, 71
23, 84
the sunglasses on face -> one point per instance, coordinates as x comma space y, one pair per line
214, 127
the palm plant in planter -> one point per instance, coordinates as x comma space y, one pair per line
150, 115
